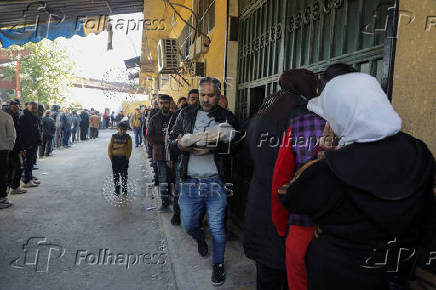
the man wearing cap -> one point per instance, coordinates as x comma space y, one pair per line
157, 127
16, 155
7, 142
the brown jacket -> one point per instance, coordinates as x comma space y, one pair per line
94, 121
120, 146
156, 130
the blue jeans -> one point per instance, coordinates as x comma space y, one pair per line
163, 182
138, 139
67, 135
197, 194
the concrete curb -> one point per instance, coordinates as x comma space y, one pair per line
194, 272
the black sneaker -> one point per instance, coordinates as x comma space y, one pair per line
175, 220
218, 275
117, 190
202, 248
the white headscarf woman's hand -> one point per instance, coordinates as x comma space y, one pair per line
327, 141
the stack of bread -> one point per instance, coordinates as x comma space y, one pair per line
221, 132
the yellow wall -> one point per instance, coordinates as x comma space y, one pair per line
414, 92
214, 58
153, 10
129, 107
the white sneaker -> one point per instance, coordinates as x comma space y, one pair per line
29, 184
35, 180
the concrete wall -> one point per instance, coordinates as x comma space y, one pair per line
414, 91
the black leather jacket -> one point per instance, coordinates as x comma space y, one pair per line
29, 127
185, 124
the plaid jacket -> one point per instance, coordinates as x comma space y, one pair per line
306, 130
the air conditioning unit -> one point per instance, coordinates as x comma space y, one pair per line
168, 58
201, 45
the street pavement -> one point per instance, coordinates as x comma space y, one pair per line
72, 233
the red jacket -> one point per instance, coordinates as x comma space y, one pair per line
283, 171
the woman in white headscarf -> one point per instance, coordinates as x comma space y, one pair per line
371, 194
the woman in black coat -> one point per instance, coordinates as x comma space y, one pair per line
264, 135
371, 198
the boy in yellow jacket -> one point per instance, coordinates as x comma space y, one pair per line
119, 151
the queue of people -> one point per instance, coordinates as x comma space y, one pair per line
32, 132
198, 175
342, 187
334, 180
334, 185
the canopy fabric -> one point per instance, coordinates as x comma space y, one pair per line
36, 33
22, 21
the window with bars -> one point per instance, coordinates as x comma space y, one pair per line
206, 15
185, 39
206, 22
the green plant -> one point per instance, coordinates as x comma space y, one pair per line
45, 73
